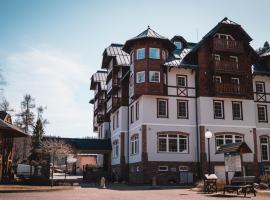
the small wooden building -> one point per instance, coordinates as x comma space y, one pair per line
7, 134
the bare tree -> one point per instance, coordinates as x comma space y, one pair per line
5, 106
56, 148
40, 111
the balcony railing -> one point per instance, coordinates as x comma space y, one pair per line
230, 89
100, 118
114, 82
228, 45
113, 103
227, 66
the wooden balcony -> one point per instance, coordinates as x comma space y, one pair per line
113, 83
100, 118
113, 103
227, 66
99, 105
229, 89
228, 45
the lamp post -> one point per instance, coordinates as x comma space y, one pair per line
208, 135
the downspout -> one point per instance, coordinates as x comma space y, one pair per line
197, 125
128, 142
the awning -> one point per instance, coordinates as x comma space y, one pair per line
9, 130
234, 147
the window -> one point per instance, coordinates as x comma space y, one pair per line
262, 113
164, 55
162, 168
237, 110
173, 142
217, 79
154, 76
217, 57
131, 114
162, 108
178, 45
218, 110
140, 54
137, 111
234, 60
182, 109
260, 87
134, 144
181, 81
113, 122
235, 81
154, 53
183, 168
117, 119
140, 78
264, 148
227, 139
115, 149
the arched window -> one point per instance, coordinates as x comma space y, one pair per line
264, 141
134, 140
173, 142
228, 138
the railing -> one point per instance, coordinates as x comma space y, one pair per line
100, 118
231, 45
113, 103
226, 66
230, 89
114, 82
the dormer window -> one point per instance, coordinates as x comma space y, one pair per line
140, 54
178, 45
154, 53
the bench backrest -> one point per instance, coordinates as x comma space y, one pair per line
243, 180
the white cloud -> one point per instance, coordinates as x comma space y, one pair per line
55, 80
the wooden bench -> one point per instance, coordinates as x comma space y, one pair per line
241, 184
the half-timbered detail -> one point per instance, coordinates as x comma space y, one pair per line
164, 94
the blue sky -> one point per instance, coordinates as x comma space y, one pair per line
50, 48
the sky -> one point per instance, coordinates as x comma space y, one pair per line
50, 49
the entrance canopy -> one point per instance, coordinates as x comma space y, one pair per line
239, 147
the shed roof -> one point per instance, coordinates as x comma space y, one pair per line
234, 147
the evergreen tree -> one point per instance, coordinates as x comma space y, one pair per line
38, 133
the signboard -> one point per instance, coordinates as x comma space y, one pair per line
232, 162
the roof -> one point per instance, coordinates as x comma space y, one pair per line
99, 77
214, 30
148, 34
267, 53
234, 147
178, 60
115, 51
7, 130
85, 144
260, 70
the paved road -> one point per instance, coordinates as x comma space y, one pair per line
109, 194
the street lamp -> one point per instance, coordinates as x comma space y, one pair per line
208, 135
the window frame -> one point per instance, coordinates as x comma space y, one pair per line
235, 78
167, 108
171, 136
186, 106
137, 105
265, 113
218, 78
115, 148
163, 170
138, 75
222, 110
152, 72
241, 110
181, 76
157, 53
267, 146
132, 114
138, 54
263, 86
224, 139
180, 46
134, 144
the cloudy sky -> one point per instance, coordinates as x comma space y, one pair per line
50, 48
